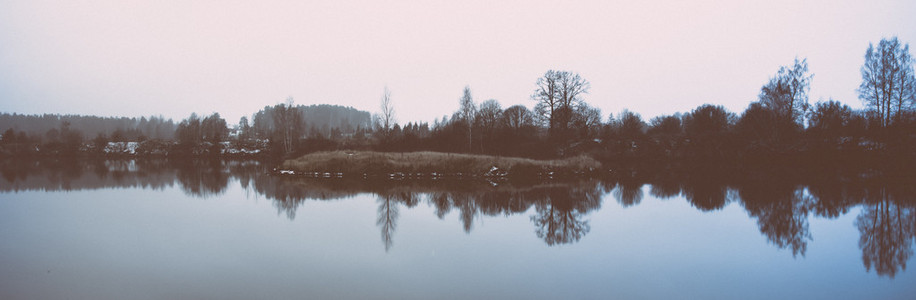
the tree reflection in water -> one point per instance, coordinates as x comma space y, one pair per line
707, 195
887, 230
387, 218
780, 201
559, 217
781, 212
202, 178
628, 192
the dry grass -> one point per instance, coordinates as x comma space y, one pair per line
378, 163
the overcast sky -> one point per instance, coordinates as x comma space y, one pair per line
133, 58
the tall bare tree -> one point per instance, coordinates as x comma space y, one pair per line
571, 87
888, 84
467, 111
487, 120
546, 96
386, 119
287, 124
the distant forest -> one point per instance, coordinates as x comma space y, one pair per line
131, 129
781, 124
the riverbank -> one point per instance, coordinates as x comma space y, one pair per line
431, 165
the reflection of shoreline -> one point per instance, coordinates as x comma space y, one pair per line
780, 200
195, 177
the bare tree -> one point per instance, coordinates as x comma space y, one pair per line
467, 111
787, 93
546, 96
287, 123
488, 118
489, 114
587, 120
558, 92
387, 114
517, 117
888, 84
571, 86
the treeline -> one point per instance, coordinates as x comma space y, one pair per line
132, 129
69, 134
782, 123
66, 135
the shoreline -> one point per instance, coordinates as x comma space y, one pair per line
431, 165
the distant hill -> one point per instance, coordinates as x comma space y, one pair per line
319, 119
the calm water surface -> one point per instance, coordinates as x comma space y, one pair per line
227, 230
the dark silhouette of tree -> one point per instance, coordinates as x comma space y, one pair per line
586, 121
888, 84
626, 135
707, 129
667, 134
488, 119
557, 95
193, 132
571, 87
757, 129
13, 143
519, 131
287, 124
188, 132
786, 94
830, 117
213, 129
630, 126
245, 134
314, 120
63, 141
546, 96
518, 118
829, 124
774, 123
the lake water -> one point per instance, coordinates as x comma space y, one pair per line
228, 230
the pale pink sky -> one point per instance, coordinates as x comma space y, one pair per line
133, 58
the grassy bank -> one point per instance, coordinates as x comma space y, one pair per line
435, 164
